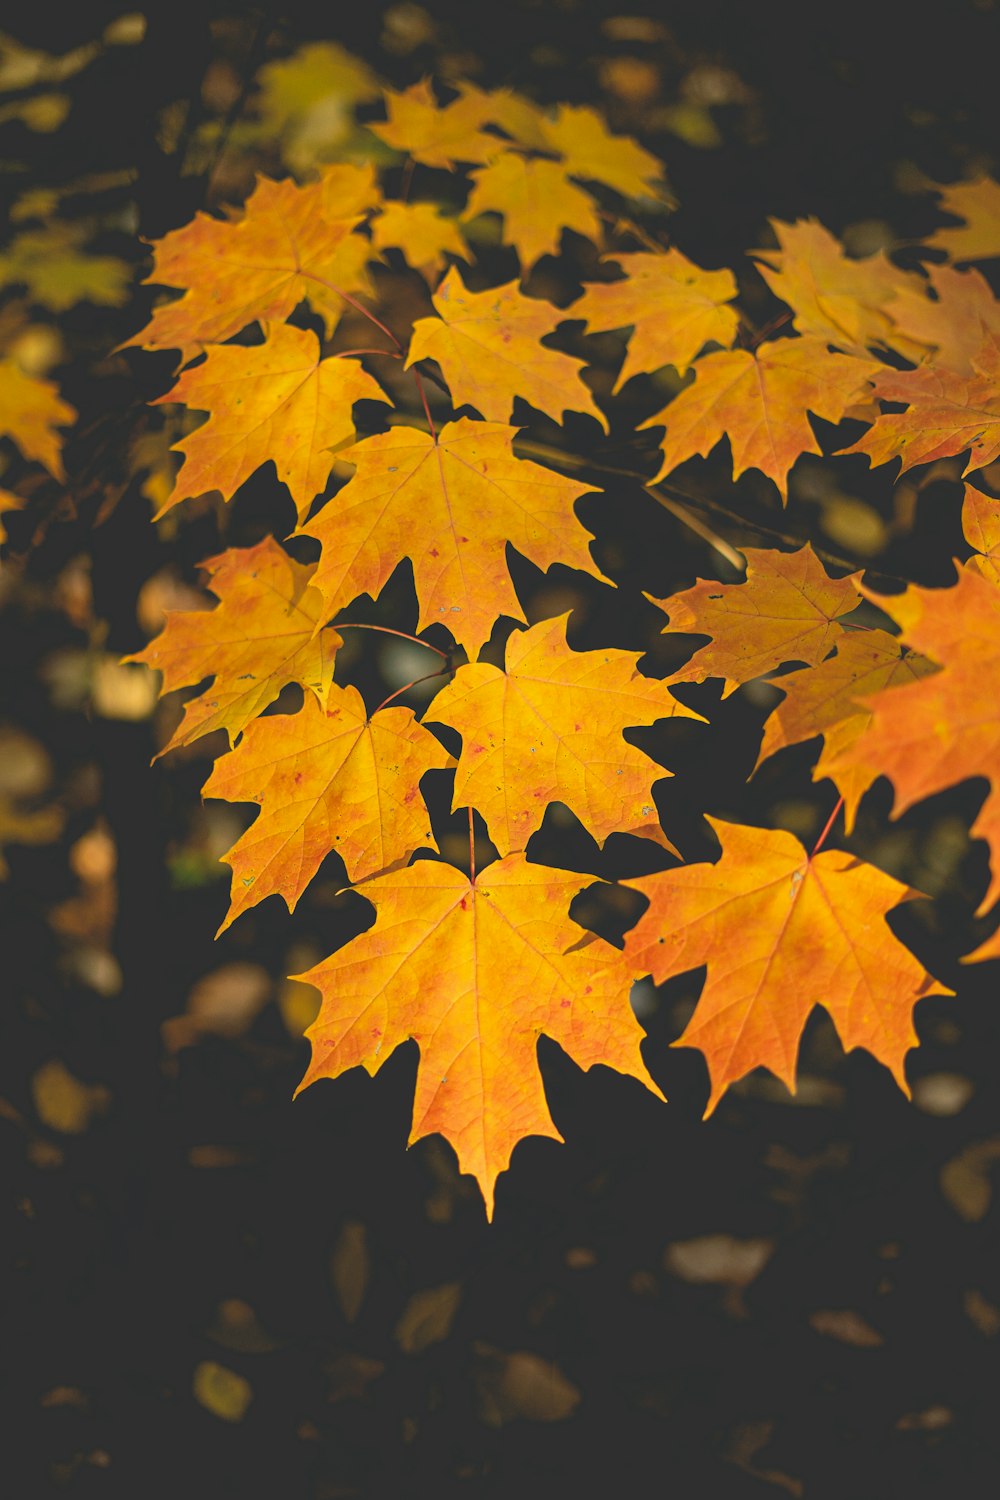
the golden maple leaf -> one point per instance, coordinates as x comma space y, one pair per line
264, 633
761, 402
780, 932
30, 411
450, 503
785, 610
326, 779
435, 134
536, 201
978, 204
276, 401
549, 728
474, 973
589, 150
487, 344
290, 243
952, 324
421, 231
835, 297
673, 307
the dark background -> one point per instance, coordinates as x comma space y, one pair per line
796, 1297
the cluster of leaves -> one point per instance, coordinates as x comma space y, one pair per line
475, 966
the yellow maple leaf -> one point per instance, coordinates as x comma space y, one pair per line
590, 150
474, 973
785, 610
264, 633
549, 729
30, 411
290, 243
673, 307
58, 274
833, 296
326, 779
537, 202
978, 204
451, 504
276, 401
487, 344
760, 402
423, 233
438, 135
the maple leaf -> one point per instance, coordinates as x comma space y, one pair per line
435, 134
673, 307
589, 150
953, 322
30, 411
537, 202
421, 231
981, 525
830, 700
451, 503
276, 401
931, 734
51, 264
325, 779
836, 298
760, 401
8, 501
948, 414
475, 972
978, 203
548, 729
487, 344
786, 610
291, 243
780, 932
263, 634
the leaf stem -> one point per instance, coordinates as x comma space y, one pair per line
387, 630
829, 824
472, 848
442, 672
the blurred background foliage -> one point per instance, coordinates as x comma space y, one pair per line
210, 1289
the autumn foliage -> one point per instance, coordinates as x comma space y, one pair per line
475, 965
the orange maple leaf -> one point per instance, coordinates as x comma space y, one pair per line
326, 779
831, 700
978, 204
30, 411
761, 402
673, 306
272, 402
439, 135
834, 297
475, 972
780, 932
948, 414
953, 323
929, 735
264, 633
785, 610
291, 243
487, 344
451, 503
537, 202
549, 729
